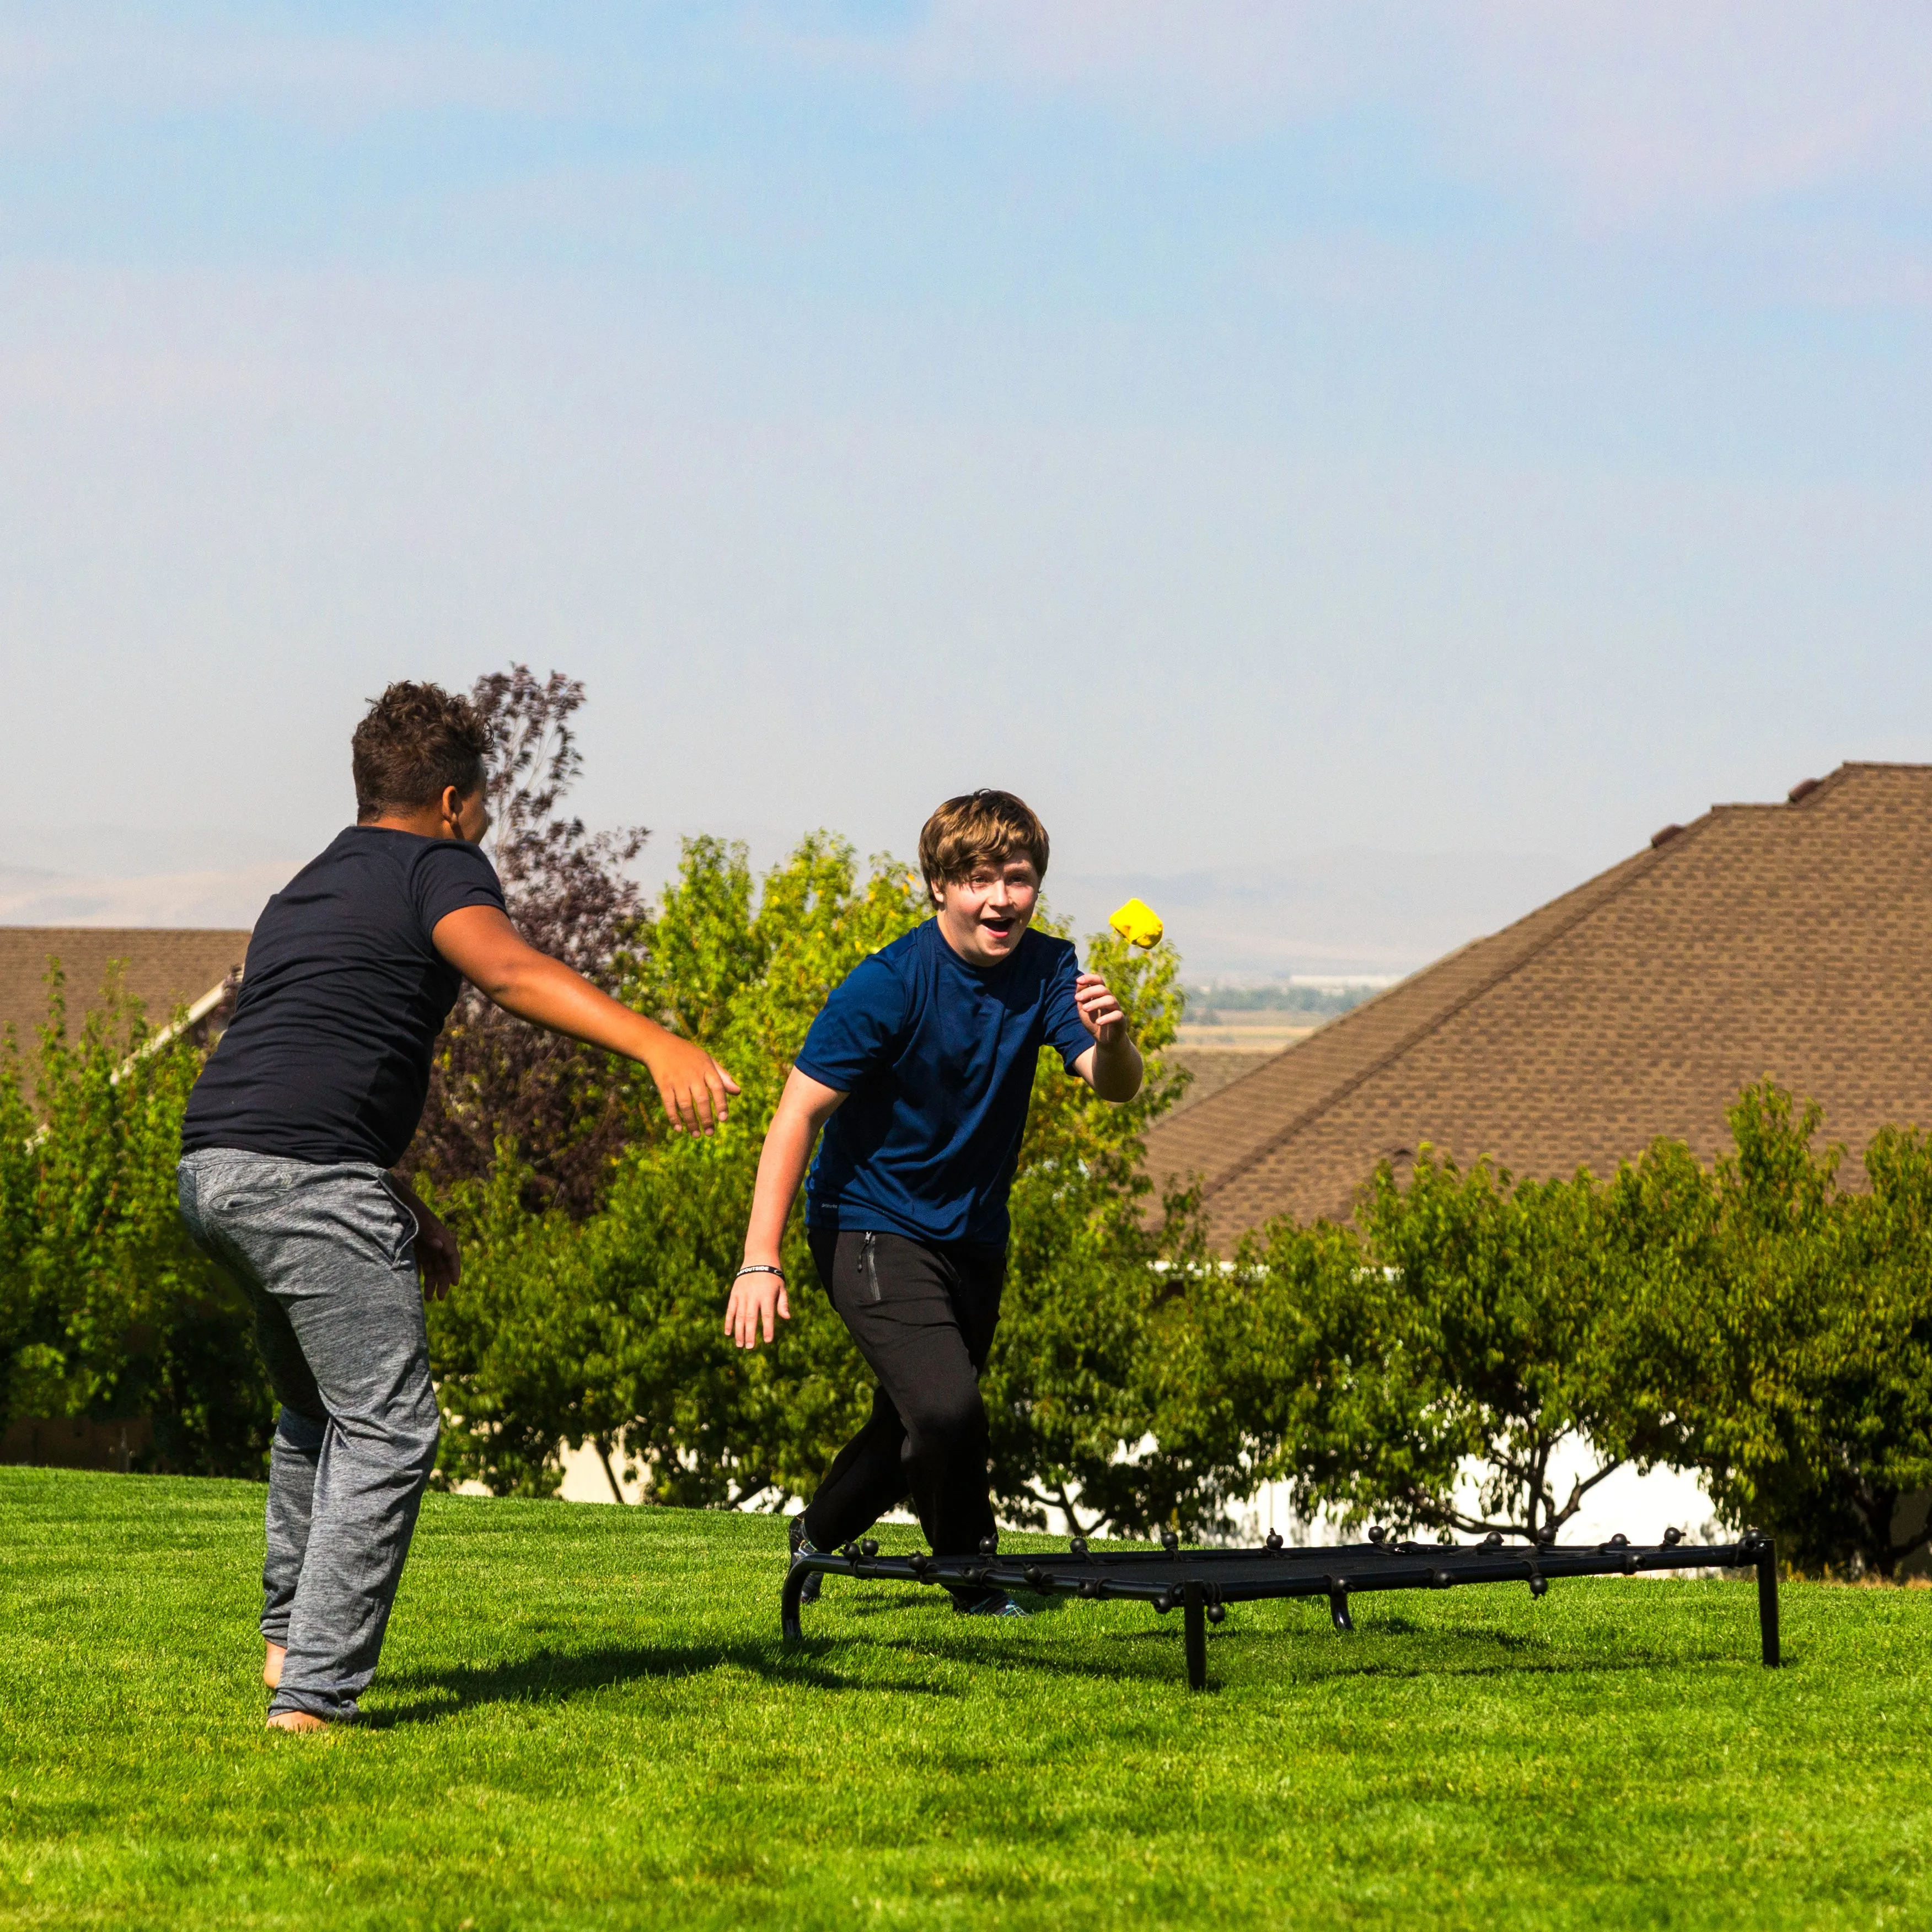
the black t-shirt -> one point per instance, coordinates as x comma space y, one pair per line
328, 1056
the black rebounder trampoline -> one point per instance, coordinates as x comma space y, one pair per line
1201, 1583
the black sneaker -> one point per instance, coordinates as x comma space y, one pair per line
802, 1544
998, 1604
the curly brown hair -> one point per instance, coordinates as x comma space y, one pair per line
416, 740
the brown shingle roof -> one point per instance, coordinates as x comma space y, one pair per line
1793, 940
1213, 1069
164, 967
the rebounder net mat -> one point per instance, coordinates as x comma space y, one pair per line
1201, 1584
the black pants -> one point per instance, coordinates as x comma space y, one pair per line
923, 1316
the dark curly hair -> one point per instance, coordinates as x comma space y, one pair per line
416, 740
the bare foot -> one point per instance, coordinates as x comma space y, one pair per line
296, 1721
271, 1669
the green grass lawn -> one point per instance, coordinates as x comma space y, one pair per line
585, 1717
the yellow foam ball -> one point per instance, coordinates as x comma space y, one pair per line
1137, 923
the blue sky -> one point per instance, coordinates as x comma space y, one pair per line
1246, 430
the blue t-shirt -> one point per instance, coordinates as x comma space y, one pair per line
938, 1058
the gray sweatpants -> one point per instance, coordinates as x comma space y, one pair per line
325, 1253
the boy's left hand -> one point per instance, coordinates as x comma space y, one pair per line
1099, 1012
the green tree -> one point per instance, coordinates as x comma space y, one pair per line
1786, 1336
106, 1310
1753, 1320
1468, 1325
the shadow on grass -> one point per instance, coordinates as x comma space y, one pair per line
426, 1694
1154, 1655
1466, 1654
902, 1664
890, 1666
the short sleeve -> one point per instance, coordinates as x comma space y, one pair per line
1061, 1025
449, 876
859, 1030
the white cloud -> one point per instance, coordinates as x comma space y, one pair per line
1625, 111
1610, 116
1652, 109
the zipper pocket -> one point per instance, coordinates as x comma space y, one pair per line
871, 1264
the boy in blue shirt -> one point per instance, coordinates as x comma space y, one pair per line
919, 1071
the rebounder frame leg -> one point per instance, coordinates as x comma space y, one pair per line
1194, 1616
1767, 1602
794, 1582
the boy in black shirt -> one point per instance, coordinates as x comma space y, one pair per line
310, 1099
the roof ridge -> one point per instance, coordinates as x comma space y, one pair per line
1639, 863
1807, 790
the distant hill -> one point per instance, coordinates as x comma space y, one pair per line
1335, 913
117, 875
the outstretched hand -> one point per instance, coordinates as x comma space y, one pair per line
1099, 1012
694, 1087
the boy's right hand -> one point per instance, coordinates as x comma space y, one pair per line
692, 1084
755, 1299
